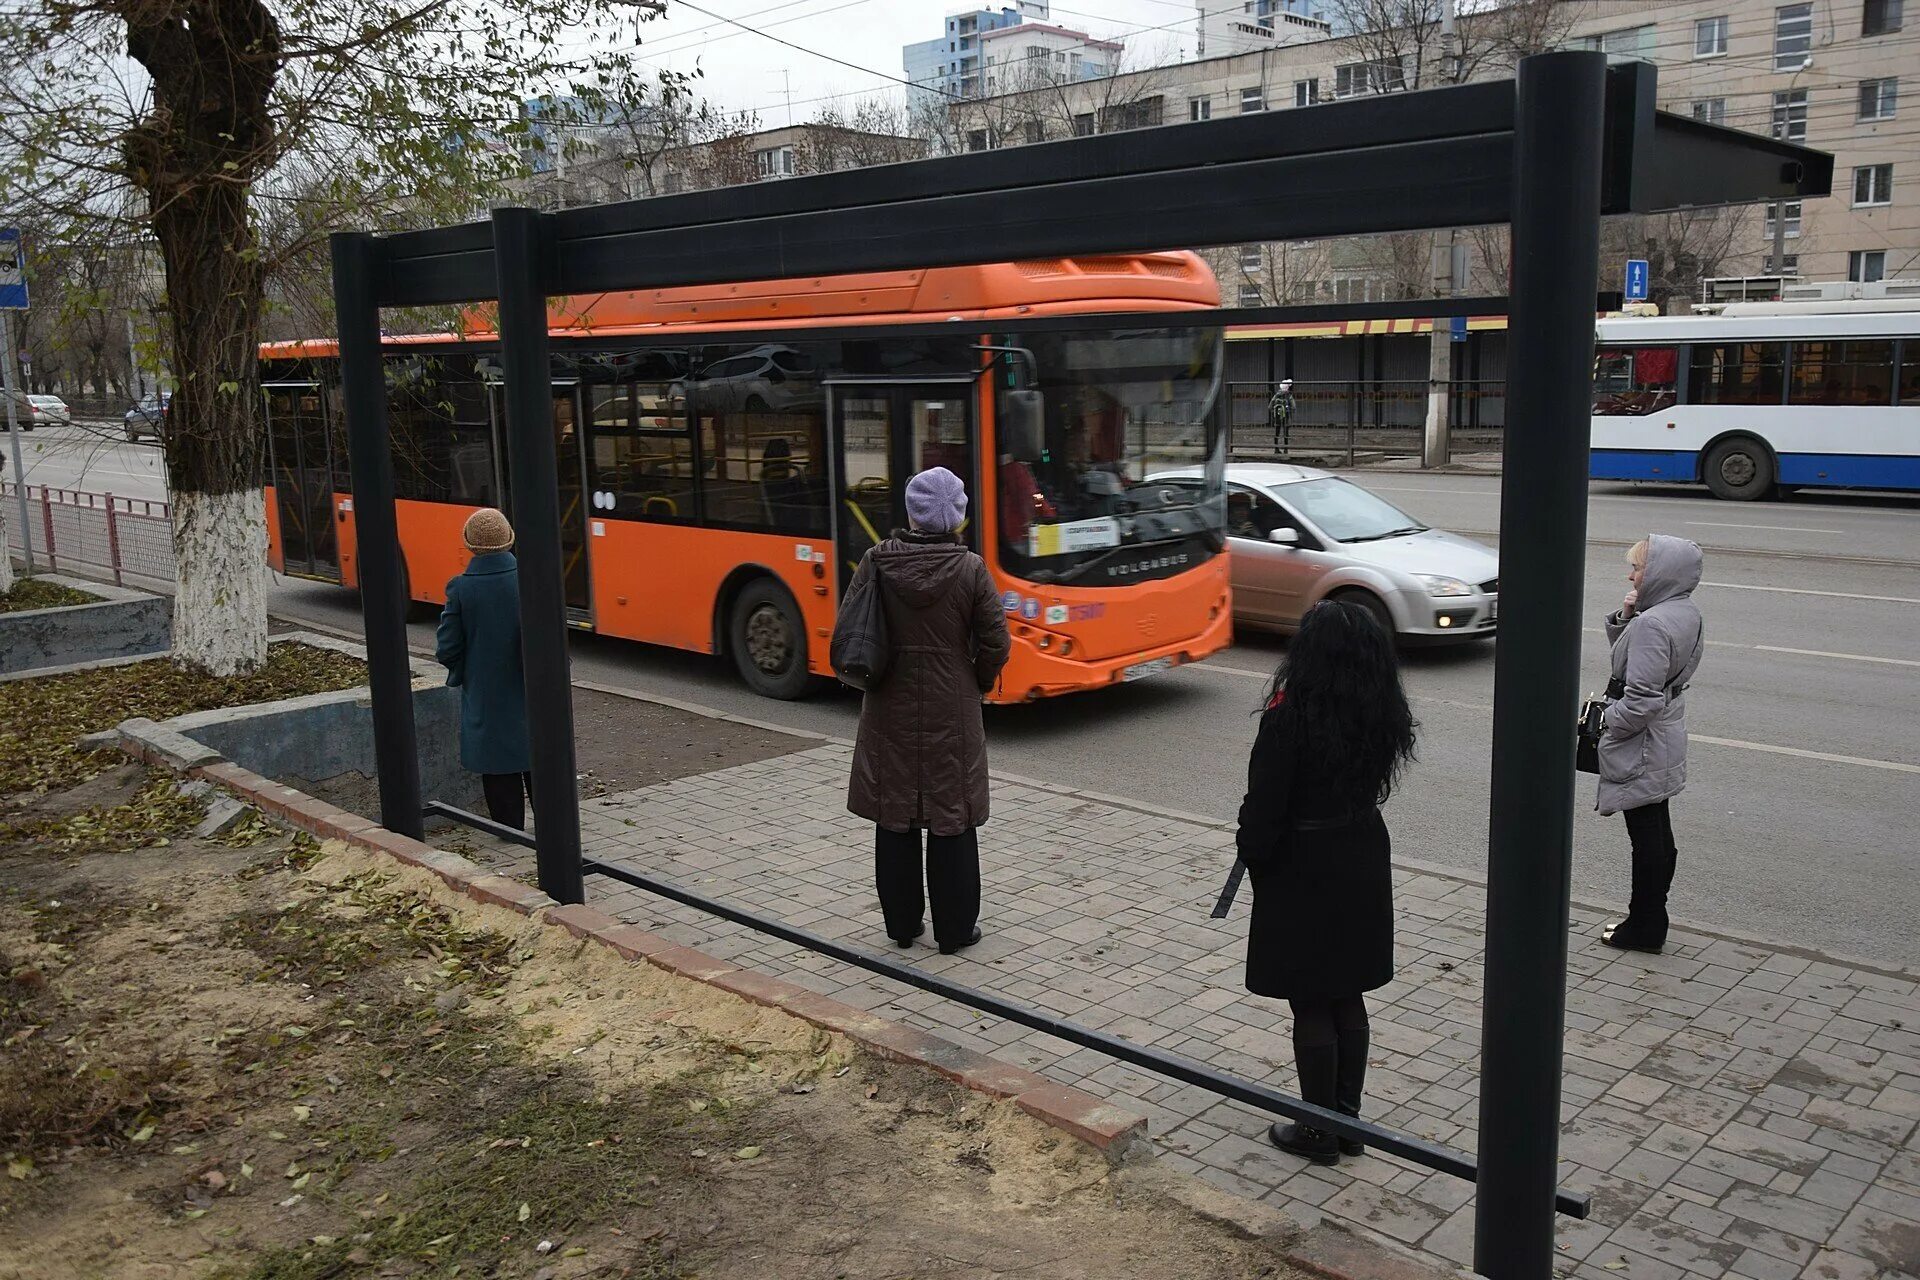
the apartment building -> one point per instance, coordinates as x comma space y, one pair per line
1826, 73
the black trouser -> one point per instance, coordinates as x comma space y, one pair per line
1330, 1043
507, 797
1650, 827
952, 883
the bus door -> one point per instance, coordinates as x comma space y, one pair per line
570, 460
302, 470
885, 432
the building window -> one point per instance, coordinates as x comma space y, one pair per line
1306, 92
1254, 99
1877, 98
1711, 110
774, 162
1627, 45
1083, 125
1864, 266
1882, 17
1199, 108
1793, 219
1249, 257
1789, 265
1035, 131
1249, 295
1872, 185
1792, 36
978, 140
1709, 37
1790, 115
1356, 78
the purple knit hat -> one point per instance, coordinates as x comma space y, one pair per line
936, 501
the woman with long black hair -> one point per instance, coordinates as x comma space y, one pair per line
1334, 736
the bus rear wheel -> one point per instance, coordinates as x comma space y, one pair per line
1739, 470
768, 640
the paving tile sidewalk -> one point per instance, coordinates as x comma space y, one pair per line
1733, 1110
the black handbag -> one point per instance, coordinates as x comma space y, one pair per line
861, 647
1586, 748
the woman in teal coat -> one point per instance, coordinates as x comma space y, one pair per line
479, 645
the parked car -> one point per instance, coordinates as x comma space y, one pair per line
1298, 536
37, 411
149, 417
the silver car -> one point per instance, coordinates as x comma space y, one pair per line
1299, 536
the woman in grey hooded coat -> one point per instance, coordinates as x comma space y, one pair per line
1658, 637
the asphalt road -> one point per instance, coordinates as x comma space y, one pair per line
1799, 824
93, 456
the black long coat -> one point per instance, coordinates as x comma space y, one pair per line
1322, 872
920, 760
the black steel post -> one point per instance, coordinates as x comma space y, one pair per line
1543, 524
521, 249
383, 592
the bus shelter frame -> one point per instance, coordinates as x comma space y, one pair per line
1569, 140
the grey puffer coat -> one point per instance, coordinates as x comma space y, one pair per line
1643, 745
920, 760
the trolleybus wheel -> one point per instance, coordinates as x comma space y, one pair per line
1739, 469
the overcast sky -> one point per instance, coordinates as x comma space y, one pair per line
747, 71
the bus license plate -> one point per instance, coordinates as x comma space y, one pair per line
1141, 670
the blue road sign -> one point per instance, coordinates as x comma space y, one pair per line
1457, 329
13, 271
1636, 290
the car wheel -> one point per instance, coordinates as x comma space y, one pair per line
768, 640
1739, 469
1374, 605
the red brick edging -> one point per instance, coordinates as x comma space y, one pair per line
1113, 1130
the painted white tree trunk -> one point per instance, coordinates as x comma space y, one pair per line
220, 604
6, 556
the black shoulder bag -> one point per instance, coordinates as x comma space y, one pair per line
861, 647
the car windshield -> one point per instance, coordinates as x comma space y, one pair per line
1346, 512
1120, 405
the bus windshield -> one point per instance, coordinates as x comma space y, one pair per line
1121, 404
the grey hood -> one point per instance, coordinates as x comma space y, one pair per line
1673, 570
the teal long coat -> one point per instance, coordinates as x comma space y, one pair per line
479, 644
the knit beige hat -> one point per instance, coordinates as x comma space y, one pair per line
487, 531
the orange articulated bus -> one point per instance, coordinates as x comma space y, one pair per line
728, 453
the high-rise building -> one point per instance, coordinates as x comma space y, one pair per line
955, 65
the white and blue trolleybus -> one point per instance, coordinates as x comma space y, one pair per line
1762, 398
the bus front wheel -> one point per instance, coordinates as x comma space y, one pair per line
1739, 470
768, 640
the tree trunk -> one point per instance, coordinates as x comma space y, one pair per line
213, 64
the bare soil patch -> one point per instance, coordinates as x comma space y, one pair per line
288, 1062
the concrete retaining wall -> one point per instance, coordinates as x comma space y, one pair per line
322, 744
123, 624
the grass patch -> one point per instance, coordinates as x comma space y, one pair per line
41, 720
38, 593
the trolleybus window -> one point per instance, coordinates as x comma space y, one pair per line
1635, 380
1737, 373
1857, 372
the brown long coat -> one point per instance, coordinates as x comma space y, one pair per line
921, 756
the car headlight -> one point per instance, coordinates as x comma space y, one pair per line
1440, 585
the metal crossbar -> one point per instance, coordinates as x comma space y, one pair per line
1428, 1155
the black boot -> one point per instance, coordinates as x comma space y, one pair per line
1349, 1082
1317, 1065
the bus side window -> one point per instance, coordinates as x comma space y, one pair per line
1836, 373
642, 453
763, 419
1737, 373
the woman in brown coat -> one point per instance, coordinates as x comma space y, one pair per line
920, 762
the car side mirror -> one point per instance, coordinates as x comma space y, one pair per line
1285, 537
